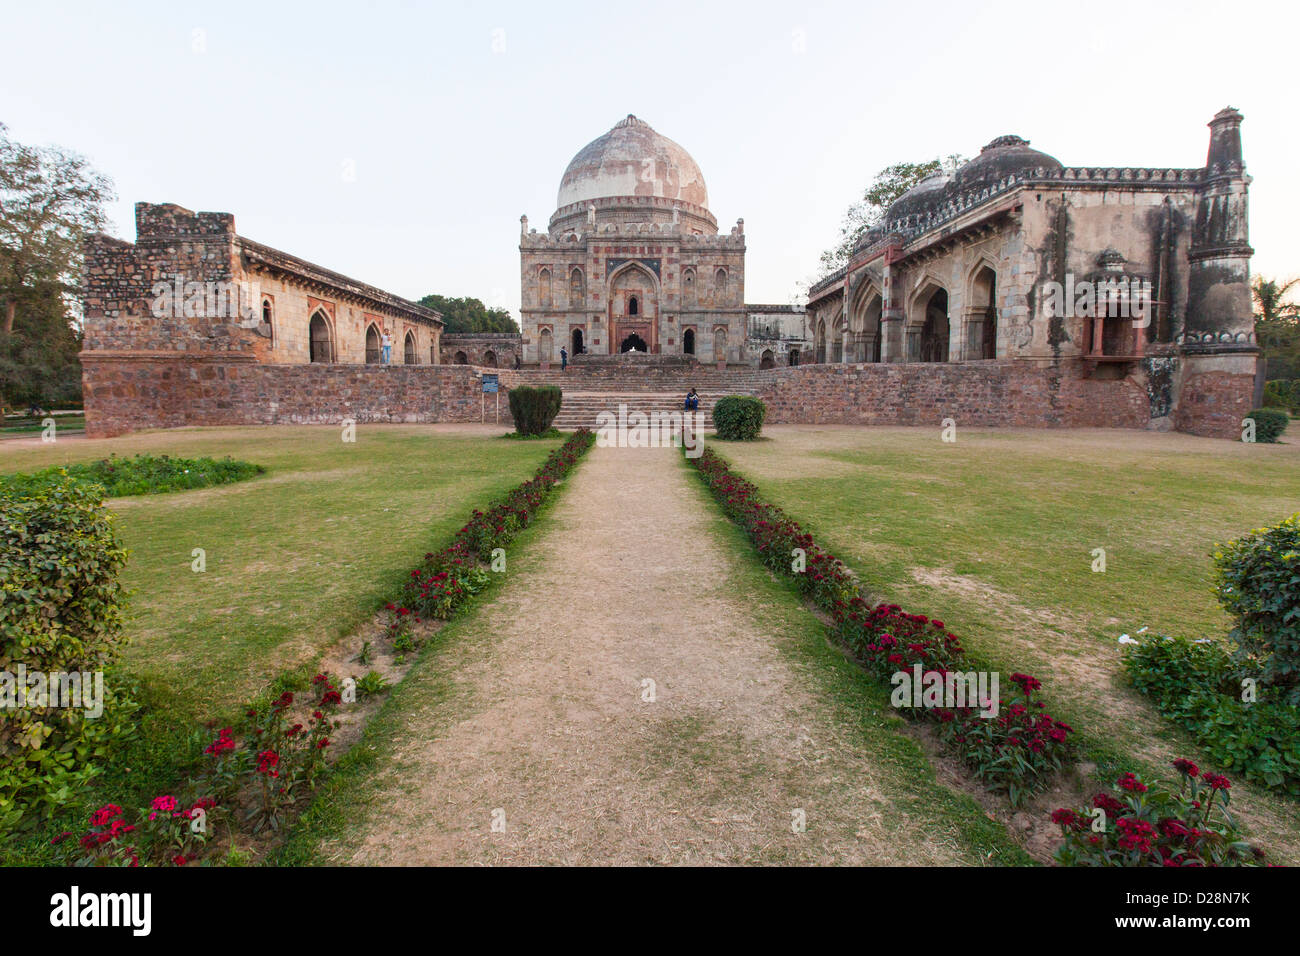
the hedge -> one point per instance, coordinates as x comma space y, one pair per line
739, 417
534, 407
1270, 423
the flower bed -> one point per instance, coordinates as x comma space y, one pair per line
258, 774
1142, 826
1014, 750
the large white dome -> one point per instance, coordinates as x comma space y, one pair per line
632, 160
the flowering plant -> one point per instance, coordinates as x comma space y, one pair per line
1147, 826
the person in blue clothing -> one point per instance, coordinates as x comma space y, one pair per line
564, 358
692, 401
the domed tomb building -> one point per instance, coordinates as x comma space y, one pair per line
632, 259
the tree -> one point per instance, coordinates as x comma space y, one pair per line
50, 201
890, 183
1277, 326
469, 315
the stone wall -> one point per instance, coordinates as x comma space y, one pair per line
989, 394
128, 393
489, 349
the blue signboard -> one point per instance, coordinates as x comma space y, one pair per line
490, 383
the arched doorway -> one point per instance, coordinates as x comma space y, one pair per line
720, 345
633, 341
934, 329
372, 345
460, 358
768, 360
578, 348
982, 327
409, 355
318, 334
793, 357
489, 359
820, 342
633, 307
688, 342
544, 346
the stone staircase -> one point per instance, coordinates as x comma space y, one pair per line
590, 391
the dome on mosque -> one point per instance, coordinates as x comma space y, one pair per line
632, 160
999, 159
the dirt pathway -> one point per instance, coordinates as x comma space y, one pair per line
533, 716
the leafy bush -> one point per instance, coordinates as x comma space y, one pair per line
1142, 826
1257, 580
1270, 423
739, 417
141, 475
61, 614
534, 407
1282, 393
1196, 686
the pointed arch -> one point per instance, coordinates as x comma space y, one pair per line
373, 344
320, 337
409, 354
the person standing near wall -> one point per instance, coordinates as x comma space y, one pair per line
387, 342
564, 358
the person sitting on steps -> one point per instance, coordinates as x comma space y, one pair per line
692, 401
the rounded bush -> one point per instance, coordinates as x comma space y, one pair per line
534, 407
739, 417
1270, 423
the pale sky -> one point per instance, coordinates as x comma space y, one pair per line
457, 118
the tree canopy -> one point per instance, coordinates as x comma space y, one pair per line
890, 183
467, 314
50, 201
1277, 326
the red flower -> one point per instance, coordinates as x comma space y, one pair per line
1186, 767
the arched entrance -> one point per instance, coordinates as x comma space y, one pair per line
489, 359
633, 341
793, 357
460, 358
322, 345
934, 330
578, 348
372, 345
634, 307
409, 355
768, 360
688, 342
982, 326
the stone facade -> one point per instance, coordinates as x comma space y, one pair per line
192, 298
633, 259
484, 349
989, 263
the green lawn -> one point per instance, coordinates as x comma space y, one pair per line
296, 558
994, 534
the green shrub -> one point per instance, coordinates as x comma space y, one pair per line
1270, 423
534, 407
61, 614
1257, 580
739, 417
141, 475
1196, 685
1282, 393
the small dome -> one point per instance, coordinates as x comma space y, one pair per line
924, 195
632, 160
999, 159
